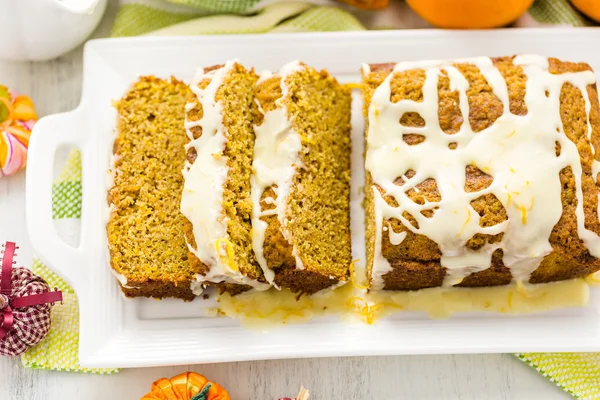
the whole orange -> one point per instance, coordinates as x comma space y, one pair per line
591, 8
470, 14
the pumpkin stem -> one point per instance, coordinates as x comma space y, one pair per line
203, 394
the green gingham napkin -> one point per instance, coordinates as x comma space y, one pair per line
576, 373
159, 18
553, 13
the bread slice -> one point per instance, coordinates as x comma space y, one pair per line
481, 172
147, 250
301, 179
216, 193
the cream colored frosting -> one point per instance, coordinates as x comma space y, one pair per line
276, 158
122, 279
197, 287
595, 170
517, 151
395, 237
202, 196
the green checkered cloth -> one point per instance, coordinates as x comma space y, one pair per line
576, 373
557, 12
163, 19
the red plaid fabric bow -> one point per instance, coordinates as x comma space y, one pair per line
22, 324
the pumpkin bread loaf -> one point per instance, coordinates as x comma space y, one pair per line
148, 253
301, 179
481, 172
266, 193
277, 215
216, 193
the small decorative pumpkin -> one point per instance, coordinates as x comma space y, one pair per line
17, 118
186, 386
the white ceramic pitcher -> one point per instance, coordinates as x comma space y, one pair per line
33, 30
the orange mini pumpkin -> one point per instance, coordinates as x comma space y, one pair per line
186, 386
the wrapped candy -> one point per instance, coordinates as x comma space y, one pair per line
25, 302
17, 118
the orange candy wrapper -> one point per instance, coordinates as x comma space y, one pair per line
17, 118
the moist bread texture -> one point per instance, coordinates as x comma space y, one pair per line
236, 97
317, 209
147, 248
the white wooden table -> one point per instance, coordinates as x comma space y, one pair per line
56, 86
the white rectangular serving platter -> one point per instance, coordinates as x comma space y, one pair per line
118, 332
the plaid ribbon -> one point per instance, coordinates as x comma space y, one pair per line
24, 307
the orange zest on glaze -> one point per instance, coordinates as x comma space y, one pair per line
228, 257
354, 85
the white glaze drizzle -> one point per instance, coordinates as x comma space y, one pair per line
595, 170
517, 151
276, 158
197, 287
202, 196
122, 279
396, 237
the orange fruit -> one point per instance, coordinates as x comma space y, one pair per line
470, 14
591, 8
